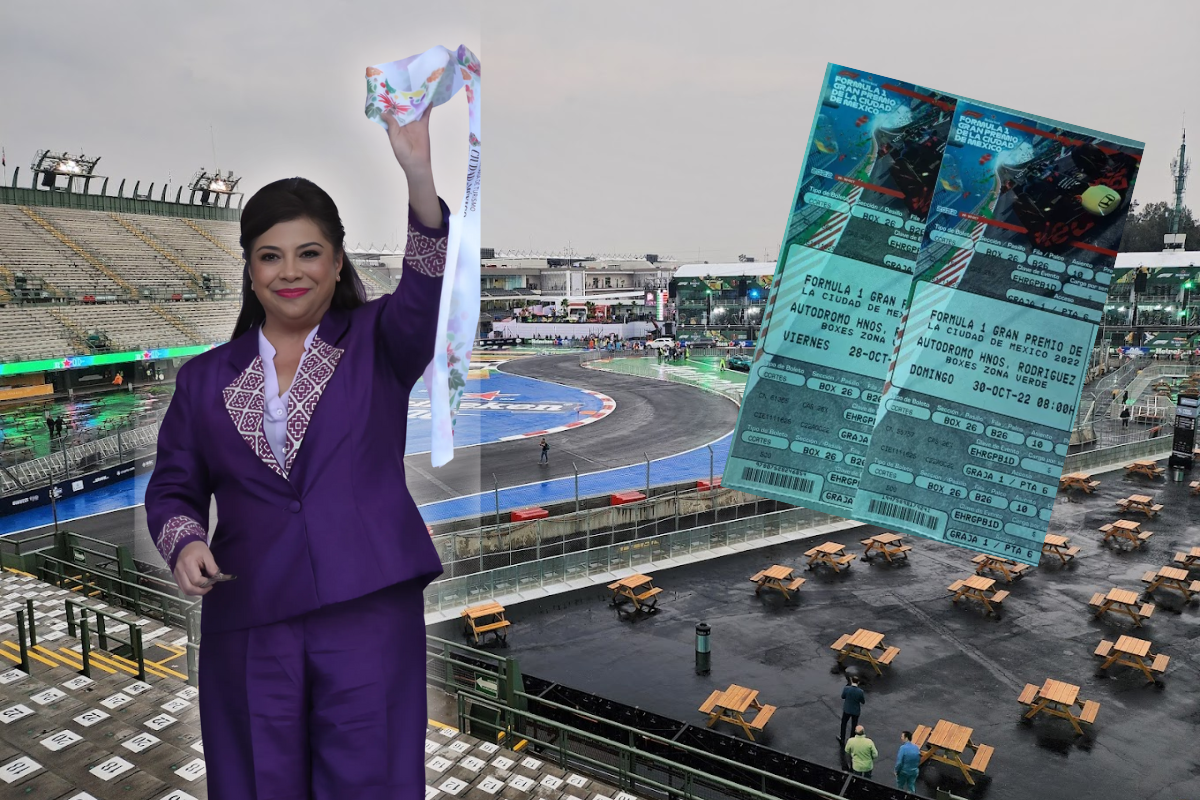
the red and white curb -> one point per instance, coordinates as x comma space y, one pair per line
608, 406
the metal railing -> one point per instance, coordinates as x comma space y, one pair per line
648, 764
508, 543
72, 460
137, 654
457, 592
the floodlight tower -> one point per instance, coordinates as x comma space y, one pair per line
51, 166
212, 185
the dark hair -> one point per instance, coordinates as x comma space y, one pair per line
284, 201
907, 735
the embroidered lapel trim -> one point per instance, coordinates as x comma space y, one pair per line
311, 379
245, 402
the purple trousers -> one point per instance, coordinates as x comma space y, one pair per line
330, 704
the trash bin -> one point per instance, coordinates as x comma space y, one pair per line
1177, 474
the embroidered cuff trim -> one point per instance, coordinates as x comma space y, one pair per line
425, 254
176, 534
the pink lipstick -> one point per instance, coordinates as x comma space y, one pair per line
291, 292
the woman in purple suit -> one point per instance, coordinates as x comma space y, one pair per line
312, 668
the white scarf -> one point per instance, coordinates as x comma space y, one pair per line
406, 89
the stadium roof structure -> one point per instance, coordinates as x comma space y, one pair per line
1158, 260
739, 269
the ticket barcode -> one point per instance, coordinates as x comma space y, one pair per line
904, 513
794, 483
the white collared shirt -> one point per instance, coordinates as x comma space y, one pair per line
276, 405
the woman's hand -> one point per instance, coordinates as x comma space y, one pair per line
192, 559
410, 144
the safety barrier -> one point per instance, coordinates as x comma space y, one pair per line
460, 591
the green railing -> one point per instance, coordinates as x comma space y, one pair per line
136, 654
466, 589
627, 766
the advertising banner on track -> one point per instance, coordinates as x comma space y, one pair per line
1012, 276
847, 265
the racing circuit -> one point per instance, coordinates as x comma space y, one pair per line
605, 423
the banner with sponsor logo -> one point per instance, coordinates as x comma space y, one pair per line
847, 264
1013, 273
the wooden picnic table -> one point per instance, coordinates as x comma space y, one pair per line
1140, 502
1146, 467
1059, 546
486, 618
979, 588
1125, 530
1057, 699
1122, 601
1011, 570
777, 577
1189, 559
889, 545
1171, 578
1133, 652
830, 554
731, 706
638, 589
947, 742
1078, 480
862, 645
1195, 484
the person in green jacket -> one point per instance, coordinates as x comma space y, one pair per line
862, 752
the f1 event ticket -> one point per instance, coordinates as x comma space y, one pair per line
1013, 273
848, 261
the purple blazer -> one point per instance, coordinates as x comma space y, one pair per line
335, 521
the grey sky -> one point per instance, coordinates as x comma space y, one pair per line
673, 126
282, 83
678, 126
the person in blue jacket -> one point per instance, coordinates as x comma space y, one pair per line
853, 698
908, 763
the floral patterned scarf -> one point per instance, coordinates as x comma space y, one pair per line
406, 89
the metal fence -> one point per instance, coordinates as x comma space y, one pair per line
459, 591
509, 543
83, 456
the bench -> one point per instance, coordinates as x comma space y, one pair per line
649, 593
1090, 708
1194, 586
796, 584
1156, 508
840, 643
1104, 648
758, 576
904, 548
1028, 695
1097, 600
999, 596
1145, 611
1018, 569
983, 754
954, 587
867, 542
1124, 504
1181, 559
1149, 577
1071, 552
889, 655
492, 626
1160, 663
1093, 484
1144, 536
1106, 528
921, 735
762, 717
846, 560
710, 703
